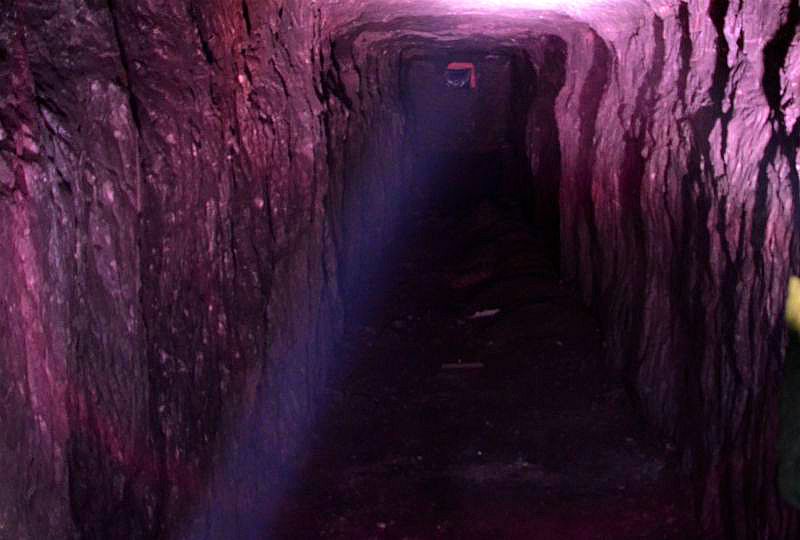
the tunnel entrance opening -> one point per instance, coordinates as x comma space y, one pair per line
461, 75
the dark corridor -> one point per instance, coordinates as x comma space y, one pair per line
472, 401
475, 406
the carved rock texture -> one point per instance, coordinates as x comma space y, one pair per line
162, 171
189, 188
679, 213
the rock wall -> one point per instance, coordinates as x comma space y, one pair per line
365, 126
169, 268
679, 224
71, 335
547, 57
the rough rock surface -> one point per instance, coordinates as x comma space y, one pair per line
679, 222
185, 188
161, 171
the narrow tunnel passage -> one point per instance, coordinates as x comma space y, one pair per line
473, 400
475, 403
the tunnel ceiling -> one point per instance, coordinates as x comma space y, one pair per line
491, 17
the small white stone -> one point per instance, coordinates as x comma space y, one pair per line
108, 191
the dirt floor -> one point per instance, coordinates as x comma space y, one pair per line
526, 435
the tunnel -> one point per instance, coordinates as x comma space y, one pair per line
399, 269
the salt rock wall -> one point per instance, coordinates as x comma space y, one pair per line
166, 262
679, 219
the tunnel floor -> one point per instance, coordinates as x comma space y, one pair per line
534, 440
